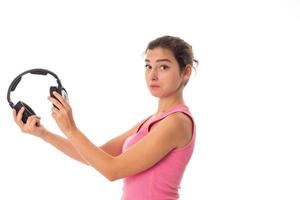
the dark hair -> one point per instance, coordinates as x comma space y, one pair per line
181, 50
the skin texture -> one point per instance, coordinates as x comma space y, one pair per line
165, 82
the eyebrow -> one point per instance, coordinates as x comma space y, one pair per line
160, 60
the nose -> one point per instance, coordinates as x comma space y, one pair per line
153, 75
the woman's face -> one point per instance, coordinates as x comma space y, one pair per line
162, 73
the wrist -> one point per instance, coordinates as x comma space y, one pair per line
71, 131
44, 135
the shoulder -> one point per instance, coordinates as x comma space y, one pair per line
177, 126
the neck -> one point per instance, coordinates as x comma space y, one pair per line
166, 103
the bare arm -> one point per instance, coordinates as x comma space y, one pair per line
166, 135
33, 127
112, 147
63, 145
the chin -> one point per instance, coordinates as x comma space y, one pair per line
158, 95
155, 94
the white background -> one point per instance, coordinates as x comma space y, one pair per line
245, 95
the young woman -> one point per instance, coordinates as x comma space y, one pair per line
153, 154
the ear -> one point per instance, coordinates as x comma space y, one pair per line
187, 72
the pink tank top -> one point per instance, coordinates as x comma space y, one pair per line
161, 181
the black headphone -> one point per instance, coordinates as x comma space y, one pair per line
28, 111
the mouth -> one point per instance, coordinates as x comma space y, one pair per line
154, 86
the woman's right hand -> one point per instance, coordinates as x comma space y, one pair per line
32, 125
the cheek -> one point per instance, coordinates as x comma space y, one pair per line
172, 81
146, 77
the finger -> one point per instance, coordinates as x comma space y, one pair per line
19, 116
27, 128
55, 111
61, 99
29, 119
15, 114
55, 102
35, 121
20, 122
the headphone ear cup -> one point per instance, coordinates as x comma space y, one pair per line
27, 112
64, 94
52, 89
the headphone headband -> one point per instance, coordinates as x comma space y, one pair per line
37, 71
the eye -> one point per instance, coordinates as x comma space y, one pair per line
148, 67
163, 67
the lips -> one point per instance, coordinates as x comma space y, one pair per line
154, 87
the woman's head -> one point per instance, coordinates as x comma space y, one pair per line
169, 62
181, 50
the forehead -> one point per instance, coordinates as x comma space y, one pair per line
159, 53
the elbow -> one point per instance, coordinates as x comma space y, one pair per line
111, 179
114, 172
113, 176
110, 174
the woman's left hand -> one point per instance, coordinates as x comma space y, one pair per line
62, 114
